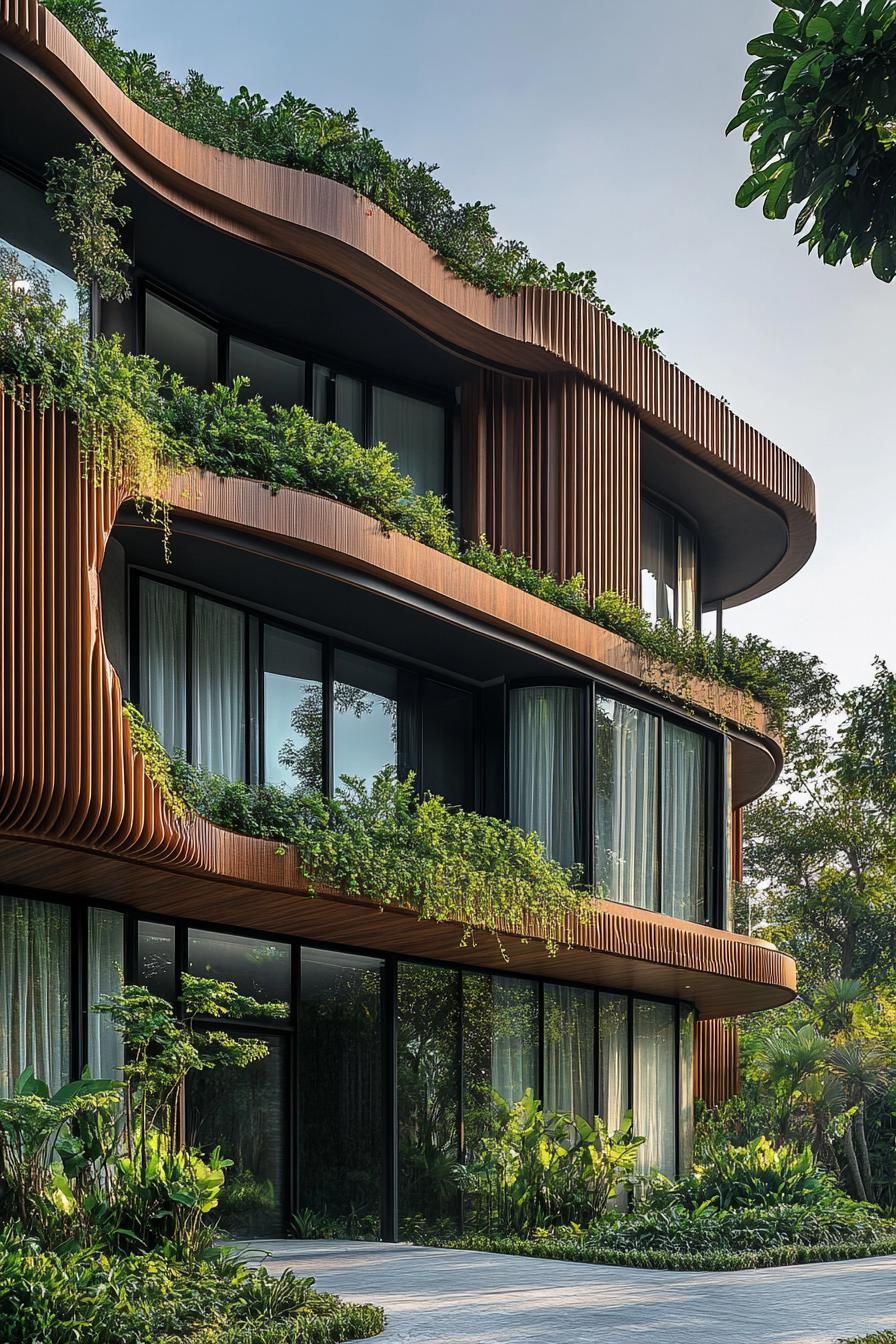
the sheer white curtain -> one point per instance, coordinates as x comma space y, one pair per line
687, 579
654, 1084
163, 661
626, 803
219, 688
514, 1037
569, 1050
613, 1026
35, 973
105, 959
415, 431
546, 786
684, 822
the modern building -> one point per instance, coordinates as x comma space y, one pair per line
552, 431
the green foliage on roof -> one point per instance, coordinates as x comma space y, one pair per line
298, 134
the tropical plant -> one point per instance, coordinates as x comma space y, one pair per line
865, 1074
817, 108
757, 1175
534, 1168
298, 134
106, 1157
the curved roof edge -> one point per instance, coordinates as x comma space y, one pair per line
325, 224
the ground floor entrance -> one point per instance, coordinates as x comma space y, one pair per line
375, 1083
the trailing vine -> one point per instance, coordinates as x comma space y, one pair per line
81, 191
157, 764
298, 134
384, 843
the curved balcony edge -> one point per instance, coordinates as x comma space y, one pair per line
329, 226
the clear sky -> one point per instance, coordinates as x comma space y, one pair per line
596, 128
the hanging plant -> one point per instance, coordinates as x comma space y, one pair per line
81, 191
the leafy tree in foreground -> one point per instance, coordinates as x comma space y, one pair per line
819, 108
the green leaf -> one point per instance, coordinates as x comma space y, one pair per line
786, 24
883, 260
800, 64
772, 47
777, 200
819, 29
29, 1086
754, 186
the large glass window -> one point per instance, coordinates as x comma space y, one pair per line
278, 379
155, 959
569, 1050
181, 341
415, 431
105, 968
35, 972
244, 1110
626, 803
258, 967
501, 1035
337, 397
447, 746
340, 1098
547, 790
684, 822
428, 1095
29, 232
613, 1098
365, 717
668, 567
219, 688
162, 637
686, 1026
655, 1051
293, 710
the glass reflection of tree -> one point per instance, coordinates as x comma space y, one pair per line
303, 755
428, 1083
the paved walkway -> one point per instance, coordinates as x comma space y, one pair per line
460, 1297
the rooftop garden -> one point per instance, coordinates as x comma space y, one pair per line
297, 134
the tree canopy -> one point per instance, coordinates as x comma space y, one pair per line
819, 110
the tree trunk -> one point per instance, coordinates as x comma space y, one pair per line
854, 1173
864, 1157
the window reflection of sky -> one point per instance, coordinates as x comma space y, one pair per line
61, 286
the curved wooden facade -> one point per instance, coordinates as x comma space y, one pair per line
553, 405
68, 776
567, 433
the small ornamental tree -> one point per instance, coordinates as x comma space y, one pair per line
819, 110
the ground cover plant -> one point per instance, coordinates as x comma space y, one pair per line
333, 144
109, 1232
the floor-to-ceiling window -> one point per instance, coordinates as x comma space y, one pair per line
429, 1100
35, 991
669, 575
341, 1089
569, 1050
105, 972
546, 767
654, 1074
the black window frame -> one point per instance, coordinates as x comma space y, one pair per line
311, 356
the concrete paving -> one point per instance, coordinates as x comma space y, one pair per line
461, 1297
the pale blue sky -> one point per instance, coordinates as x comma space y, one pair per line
596, 129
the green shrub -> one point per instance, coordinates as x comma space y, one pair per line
536, 1168
298, 134
89, 1297
757, 1175
387, 845
552, 1248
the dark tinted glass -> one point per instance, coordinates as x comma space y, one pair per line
278, 379
447, 766
340, 1083
258, 967
155, 958
243, 1110
428, 1097
181, 341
